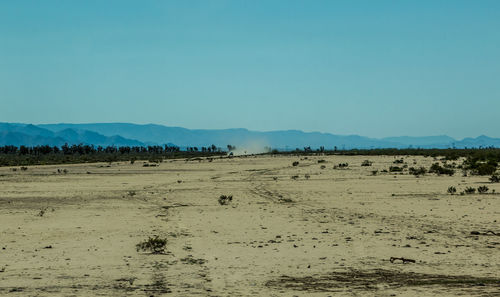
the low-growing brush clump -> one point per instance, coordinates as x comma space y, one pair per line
495, 178
482, 165
296, 163
470, 190
452, 190
438, 169
482, 189
155, 245
341, 165
367, 163
225, 199
417, 171
395, 169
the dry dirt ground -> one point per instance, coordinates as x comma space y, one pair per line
303, 230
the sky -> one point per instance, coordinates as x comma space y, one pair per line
372, 68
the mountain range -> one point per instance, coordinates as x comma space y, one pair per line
126, 134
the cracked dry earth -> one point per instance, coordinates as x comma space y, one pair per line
289, 231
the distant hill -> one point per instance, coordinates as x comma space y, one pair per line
30, 135
289, 139
126, 134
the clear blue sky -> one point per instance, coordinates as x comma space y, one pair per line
374, 68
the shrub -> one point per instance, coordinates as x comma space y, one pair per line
395, 169
296, 163
470, 190
438, 169
482, 189
374, 172
495, 178
155, 245
24, 168
321, 161
452, 190
322, 167
398, 161
417, 171
224, 200
485, 169
343, 165
367, 163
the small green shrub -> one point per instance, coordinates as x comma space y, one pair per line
367, 163
225, 199
438, 169
417, 171
395, 169
155, 245
470, 190
452, 190
485, 169
296, 163
495, 178
482, 189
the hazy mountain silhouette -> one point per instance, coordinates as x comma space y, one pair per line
30, 135
289, 139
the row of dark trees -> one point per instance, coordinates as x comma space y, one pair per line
82, 149
44, 154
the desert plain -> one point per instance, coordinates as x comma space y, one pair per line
314, 229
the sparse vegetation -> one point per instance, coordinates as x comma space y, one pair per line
482, 189
155, 245
366, 163
395, 169
495, 178
439, 170
452, 190
417, 171
225, 199
470, 190
341, 165
296, 163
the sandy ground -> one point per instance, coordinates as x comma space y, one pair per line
289, 231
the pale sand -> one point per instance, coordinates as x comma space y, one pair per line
334, 239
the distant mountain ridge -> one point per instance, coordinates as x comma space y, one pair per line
31, 135
127, 134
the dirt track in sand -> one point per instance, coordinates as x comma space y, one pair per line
289, 231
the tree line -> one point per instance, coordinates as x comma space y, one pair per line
11, 155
